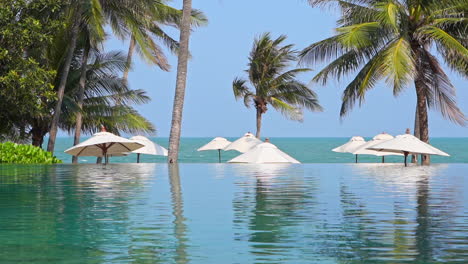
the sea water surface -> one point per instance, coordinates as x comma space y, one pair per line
234, 213
306, 150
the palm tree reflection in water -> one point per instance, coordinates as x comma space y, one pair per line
180, 228
272, 211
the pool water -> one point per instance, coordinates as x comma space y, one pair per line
226, 213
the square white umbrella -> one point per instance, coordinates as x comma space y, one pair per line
380, 138
350, 146
103, 144
407, 144
218, 143
264, 153
149, 147
244, 144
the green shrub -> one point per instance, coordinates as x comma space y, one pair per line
25, 154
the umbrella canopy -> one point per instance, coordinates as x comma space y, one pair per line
149, 147
216, 144
380, 138
351, 145
102, 144
409, 144
244, 143
264, 153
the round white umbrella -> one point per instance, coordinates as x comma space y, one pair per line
264, 153
218, 143
350, 146
406, 144
244, 143
149, 147
380, 138
103, 144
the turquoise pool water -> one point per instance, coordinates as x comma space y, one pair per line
306, 150
223, 213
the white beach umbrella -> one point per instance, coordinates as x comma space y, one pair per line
380, 138
350, 146
218, 143
103, 144
149, 147
264, 153
244, 143
406, 144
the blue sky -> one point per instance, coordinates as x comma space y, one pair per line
220, 52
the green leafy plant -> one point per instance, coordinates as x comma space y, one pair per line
25, 154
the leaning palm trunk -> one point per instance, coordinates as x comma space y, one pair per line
174, 139
131, 49
82, 85
61, 88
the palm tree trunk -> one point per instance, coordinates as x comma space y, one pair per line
414, 157
176, 126
422, 115
259, 122
37, 136
131, 49
82, 85
61, 89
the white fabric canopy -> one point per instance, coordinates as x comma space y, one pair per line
351, 145
244, 143
380, 138
103, 143
215, 144
149, 147
407, 143
264, 153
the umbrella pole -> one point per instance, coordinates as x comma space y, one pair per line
356, 158
219, 155
383, 159
406, 156
138, 157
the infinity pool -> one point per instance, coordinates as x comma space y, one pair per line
220, 213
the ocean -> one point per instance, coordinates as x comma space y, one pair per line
306, 150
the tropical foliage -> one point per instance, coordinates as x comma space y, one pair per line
273, 83
26, 30
54, 74
25, 154
395, 41
107, 99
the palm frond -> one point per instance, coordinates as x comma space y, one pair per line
364, 81
287, 110
398, 65
440, 92
443, 38
357, 35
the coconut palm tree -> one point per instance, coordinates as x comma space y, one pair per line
156, 17
104, 88
181, 79
272, 83
394, 40
81, 13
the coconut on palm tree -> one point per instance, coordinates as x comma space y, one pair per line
397, 41
273, 82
